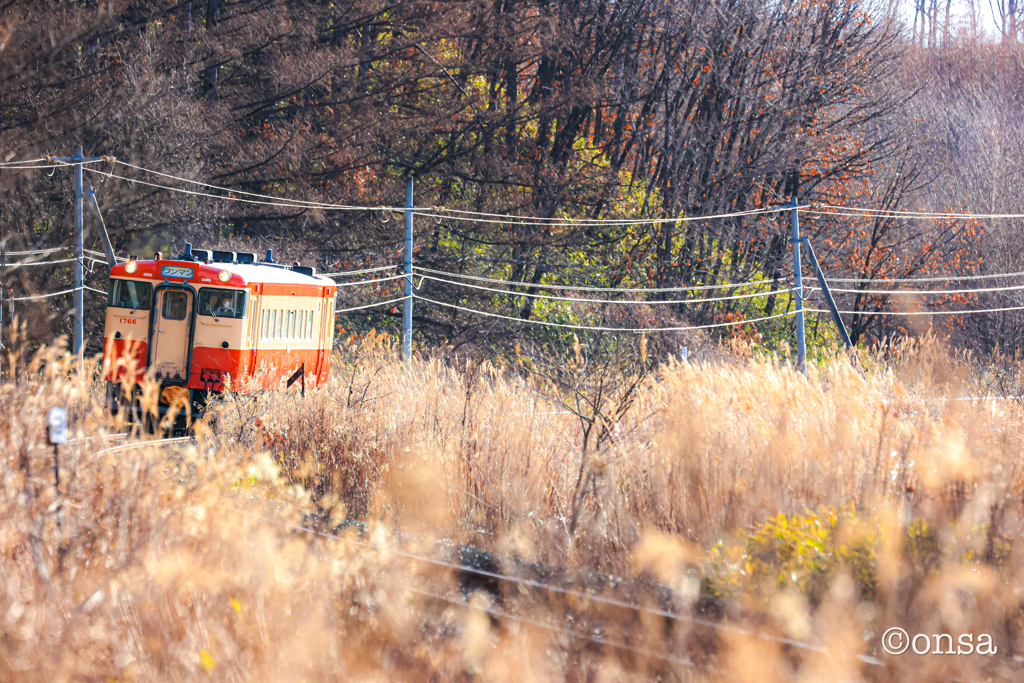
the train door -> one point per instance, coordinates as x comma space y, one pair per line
320, 340
170, 343
325, 334
255, 320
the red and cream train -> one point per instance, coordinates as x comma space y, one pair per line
197, 319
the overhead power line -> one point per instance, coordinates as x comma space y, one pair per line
610, 290
23, 264
371, 282
652, 302
434, 212
44, 296
441, 211
512, 219
360, 272
40, 252
946, 278
47, 162
978, 290
853, 211
379, 303
16, 164
272, 198
285, 203
597, 328
909, 313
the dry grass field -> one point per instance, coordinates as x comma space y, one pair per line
727, 521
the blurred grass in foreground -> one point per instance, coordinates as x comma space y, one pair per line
824, 509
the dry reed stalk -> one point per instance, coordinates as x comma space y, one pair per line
180, 563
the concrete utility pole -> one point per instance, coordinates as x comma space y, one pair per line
79, 327
407, 310
798, 286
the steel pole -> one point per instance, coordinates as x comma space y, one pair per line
798, 285
407, 310
843, 334
79, 259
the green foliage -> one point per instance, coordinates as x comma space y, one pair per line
802, 552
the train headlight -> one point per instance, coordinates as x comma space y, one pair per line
131, 267
224, 276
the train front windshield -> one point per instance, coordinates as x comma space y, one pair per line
222, 303
130, 294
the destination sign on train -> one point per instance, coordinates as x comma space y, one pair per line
177, 271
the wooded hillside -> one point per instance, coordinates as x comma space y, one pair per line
547, 108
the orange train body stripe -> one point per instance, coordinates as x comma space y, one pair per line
278, 364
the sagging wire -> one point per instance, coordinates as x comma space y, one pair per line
294, 203
909, 313
512, 219
374, 305
596, 328
860, 212
359, 272
547, 297
371, 282
609, 290
978, 290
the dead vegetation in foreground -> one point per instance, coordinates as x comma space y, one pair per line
742, 508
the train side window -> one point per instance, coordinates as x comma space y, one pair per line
263, 324
292, 317
280, 325
130, 294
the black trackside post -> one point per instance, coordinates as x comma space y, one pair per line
56, 480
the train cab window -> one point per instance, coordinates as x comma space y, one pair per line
175, 305
222, 303
130, 294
